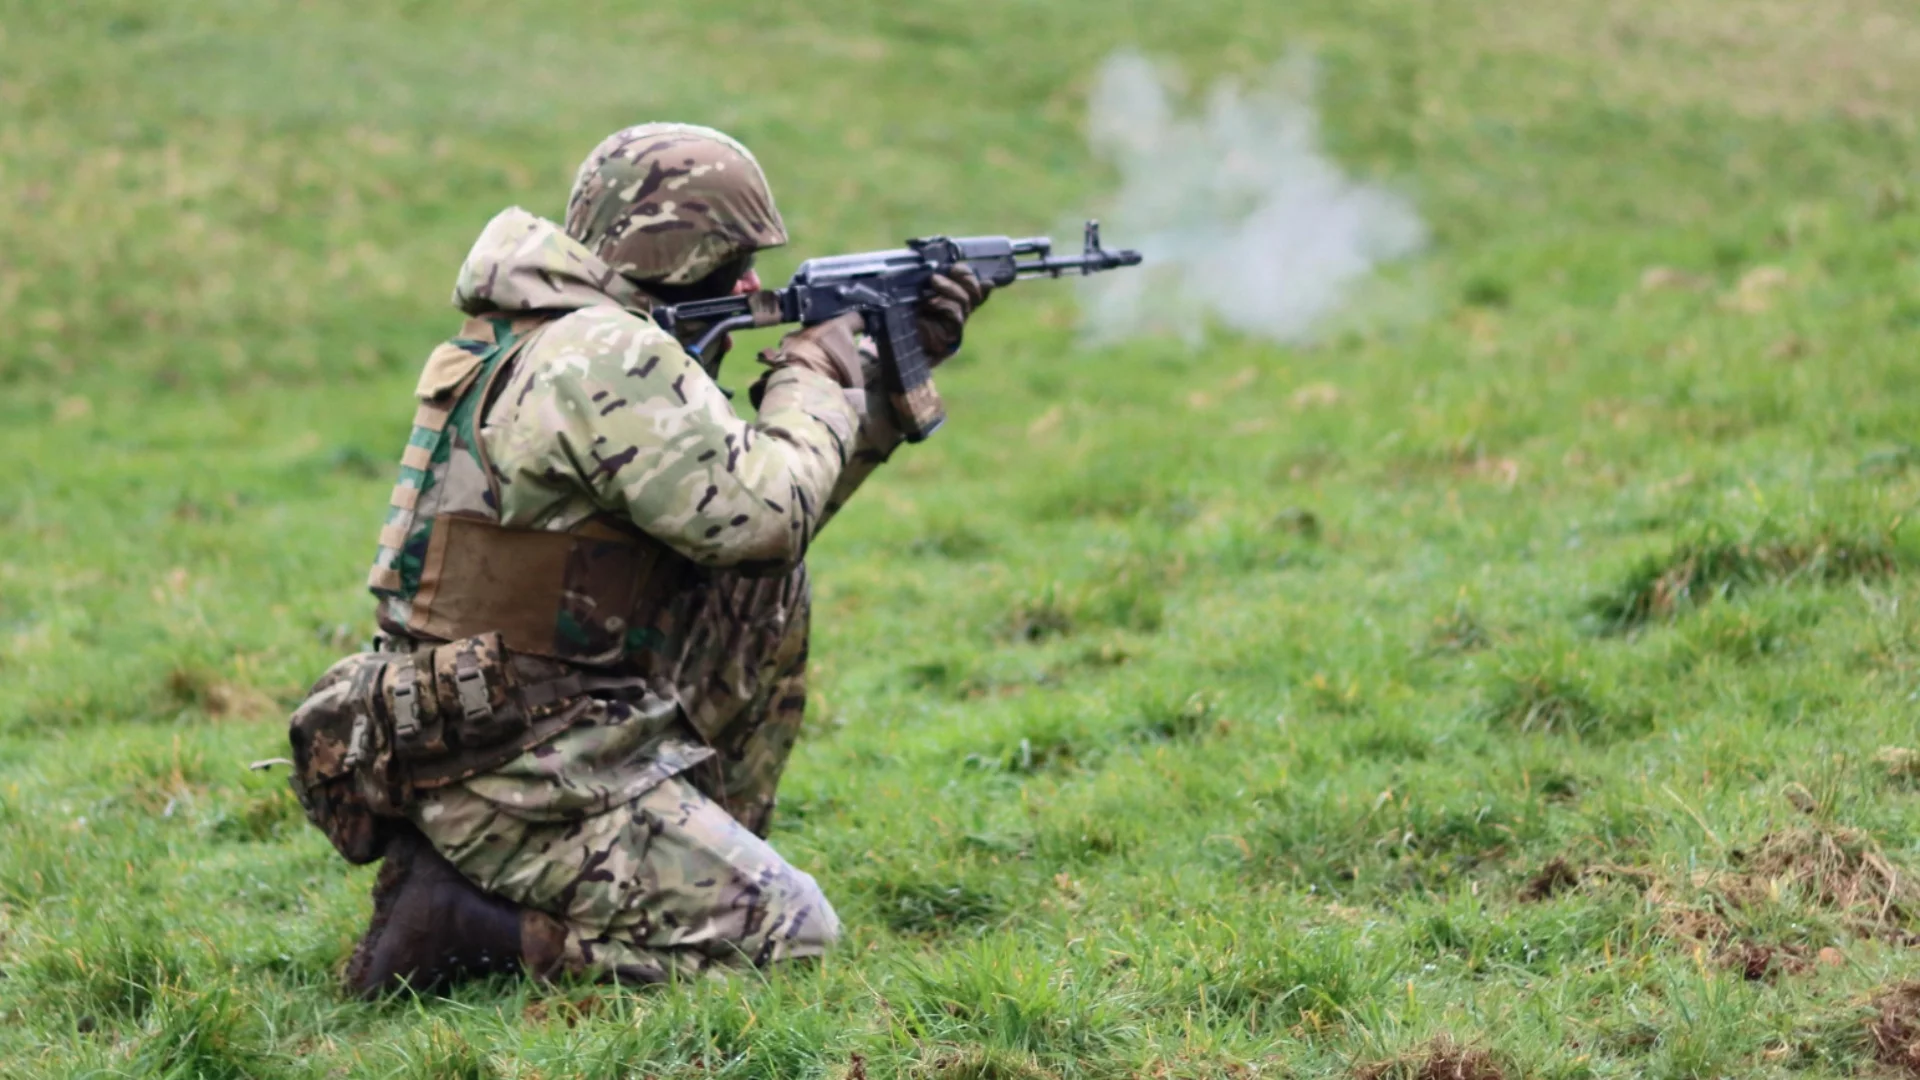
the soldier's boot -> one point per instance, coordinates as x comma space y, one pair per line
432, 927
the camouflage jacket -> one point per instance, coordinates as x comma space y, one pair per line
605, 414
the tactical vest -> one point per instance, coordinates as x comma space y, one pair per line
497, 636
599, 595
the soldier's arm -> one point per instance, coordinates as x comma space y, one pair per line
878, 438
617, 404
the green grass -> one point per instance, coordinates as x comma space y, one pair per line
1206, 712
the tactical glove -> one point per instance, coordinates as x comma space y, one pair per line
951, 297
828, 349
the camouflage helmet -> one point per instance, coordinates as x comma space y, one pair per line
670, 203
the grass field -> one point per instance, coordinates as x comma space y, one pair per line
1527, 689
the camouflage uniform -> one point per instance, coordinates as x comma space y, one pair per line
640, 826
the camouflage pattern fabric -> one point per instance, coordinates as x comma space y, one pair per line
663, 886
645, 844
618, 750
640, 828
606, 414
744, 677
671, 202
521, 262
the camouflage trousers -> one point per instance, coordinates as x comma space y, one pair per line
662, 887
677, 878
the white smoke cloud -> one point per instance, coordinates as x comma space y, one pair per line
1240, 213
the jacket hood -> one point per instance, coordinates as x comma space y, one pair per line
525, 263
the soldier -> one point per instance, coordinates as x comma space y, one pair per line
592, 601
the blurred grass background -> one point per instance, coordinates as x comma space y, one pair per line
1178, 712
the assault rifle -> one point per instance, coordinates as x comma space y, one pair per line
886, 287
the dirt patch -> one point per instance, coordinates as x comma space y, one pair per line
1895, 1028
1441, 1059
1554, 878
1764, 963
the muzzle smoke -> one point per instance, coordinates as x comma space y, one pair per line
1242, 217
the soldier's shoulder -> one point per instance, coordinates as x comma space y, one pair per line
605, 339
602, 327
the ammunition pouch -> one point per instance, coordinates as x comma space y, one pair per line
381, 726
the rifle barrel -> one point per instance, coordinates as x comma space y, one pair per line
1091, 263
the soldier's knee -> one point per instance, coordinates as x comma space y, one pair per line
823, 929
806, 924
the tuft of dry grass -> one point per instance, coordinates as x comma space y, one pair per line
1443, 1058
1841, 870
1901, 763
972, 1063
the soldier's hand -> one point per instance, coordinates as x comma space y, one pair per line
828, 348
951, 297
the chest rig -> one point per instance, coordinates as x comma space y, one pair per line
599, 594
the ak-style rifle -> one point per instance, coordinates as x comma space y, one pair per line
886, 287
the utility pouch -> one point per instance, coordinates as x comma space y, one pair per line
339, 771
452, 698
380, 727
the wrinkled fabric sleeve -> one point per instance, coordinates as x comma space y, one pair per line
879, 434
617, 404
